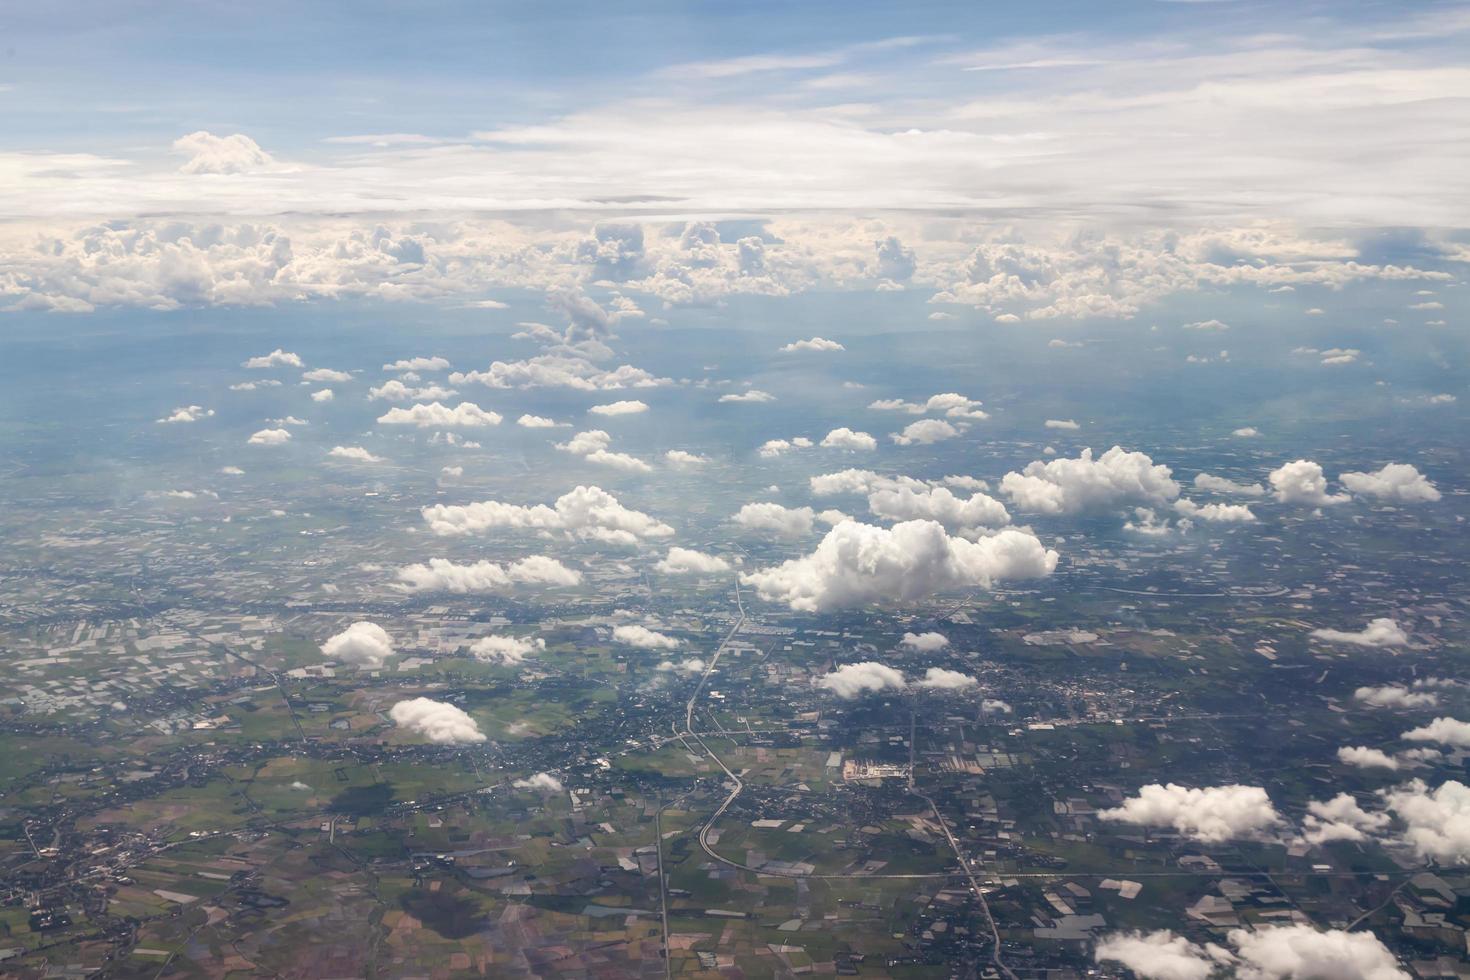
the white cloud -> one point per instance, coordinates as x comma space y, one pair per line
854, 481
1380, 632
276, 358
356, 453
940, 679
1398, 482
1300, 952
395, 390
853, 680
1340, 818
439, 722
688, 667
541, 782
1395, 696
538, 422
452, 470
231, 471
1219, 484
1302, 482
641, 636
582, 512
1364, 757
772, 448
253, 385
753, 395
592, 446
506, 650
785, 522
443, 575
685, 460
211, 154
1206, 325
1212, 815
1159, 955
939, 504
626, 407
325, 395
845, 438
1062, 424
994, 706
1214, 513
949, 403
363, 644
859, 563
326, 374
814, 343
683, 561
1247, 432
269, 437
924, 432
925, 642
559, 370
437, 414
1437, 821
1070, 486
418, 364
1445, 731
186, 413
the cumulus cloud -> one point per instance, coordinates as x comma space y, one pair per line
541, 782
1340, 819
641, 636
1070, 486
1363, 757
1302, 482
439, 722
769, 518
625, 407
845, 438
1214, 513
1396, 696
1219, 484
1397, 482
506, 650
326, 374
684, 460
1067, 424
355, 453
940, 679
753, 395
561, 369
1380, 632
854, 481
924, 432
1206, 325
538, 422
1301, 952
925, 642
211, 154
1212, 815
688, 667
859, 563
683, 561
418, 364
438, 415
186, 413
363, 644
592, 446
325, 395
772, 448
1445, 731
276, 358
949, 403
938, 504
1246, 432
582, 512
854, 680
396, 391
1160, 955
1437, 821
269, 437
443, 575
1290, 952
814, 344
